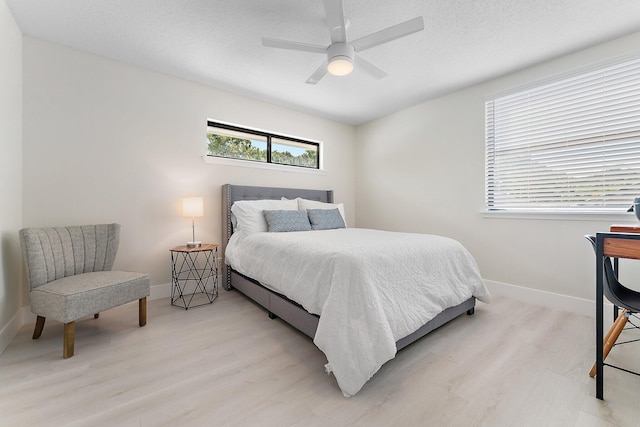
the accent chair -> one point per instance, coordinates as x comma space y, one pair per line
69, 276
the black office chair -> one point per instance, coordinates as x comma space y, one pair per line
620, 296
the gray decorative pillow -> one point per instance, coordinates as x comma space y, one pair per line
325, 219
279, 221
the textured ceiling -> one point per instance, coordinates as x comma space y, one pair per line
218, 43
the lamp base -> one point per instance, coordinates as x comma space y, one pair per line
194, 244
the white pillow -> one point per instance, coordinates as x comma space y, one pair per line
249, 213
304, 204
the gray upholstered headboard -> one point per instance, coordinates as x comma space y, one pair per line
232, 193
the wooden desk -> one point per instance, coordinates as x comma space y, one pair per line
612, 245
635, 228
620, 247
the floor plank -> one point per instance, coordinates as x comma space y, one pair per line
510, 364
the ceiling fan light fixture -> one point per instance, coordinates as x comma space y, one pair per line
340, 66
340, 59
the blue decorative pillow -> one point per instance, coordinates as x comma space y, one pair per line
325, 219
279, 221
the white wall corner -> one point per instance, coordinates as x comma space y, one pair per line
575, 305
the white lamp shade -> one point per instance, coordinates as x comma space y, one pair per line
192, 207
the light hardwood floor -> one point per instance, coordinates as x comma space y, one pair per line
510, 364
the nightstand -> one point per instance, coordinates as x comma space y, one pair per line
194, 275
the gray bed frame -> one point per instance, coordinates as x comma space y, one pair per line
278, 305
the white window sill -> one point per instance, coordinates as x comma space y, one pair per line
260, 165
611, 216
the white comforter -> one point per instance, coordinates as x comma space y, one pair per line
370, 288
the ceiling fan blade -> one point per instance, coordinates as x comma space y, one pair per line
335, 20
394, 32
368, 67
318, 74
285, 44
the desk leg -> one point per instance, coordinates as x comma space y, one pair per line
615, 307
599, 326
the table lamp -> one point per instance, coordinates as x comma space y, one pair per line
193, 207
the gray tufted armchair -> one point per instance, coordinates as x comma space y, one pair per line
69, 276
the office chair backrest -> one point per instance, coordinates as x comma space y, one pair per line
613, 290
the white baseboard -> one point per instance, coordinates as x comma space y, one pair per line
10, 330
575, 305
160, 291
164, 290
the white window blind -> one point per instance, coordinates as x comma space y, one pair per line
568, 145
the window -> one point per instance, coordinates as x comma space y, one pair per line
234, 142
569, 145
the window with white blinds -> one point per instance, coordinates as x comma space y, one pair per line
569, 145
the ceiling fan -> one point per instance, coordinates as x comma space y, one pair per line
341, 54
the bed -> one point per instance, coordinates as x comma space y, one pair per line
354, 353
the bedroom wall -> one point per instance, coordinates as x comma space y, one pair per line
11, 294
106, 141
422, 170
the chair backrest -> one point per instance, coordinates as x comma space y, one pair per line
613, 290
56, 252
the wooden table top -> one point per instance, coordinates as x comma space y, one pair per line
203, 247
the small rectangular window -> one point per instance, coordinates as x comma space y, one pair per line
236, 145
293, 153
235, 142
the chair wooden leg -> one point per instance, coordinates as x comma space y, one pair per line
69, 338
142, 311
95, 316
611, 337
39, 326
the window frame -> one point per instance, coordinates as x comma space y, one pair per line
269, 136
609, 207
